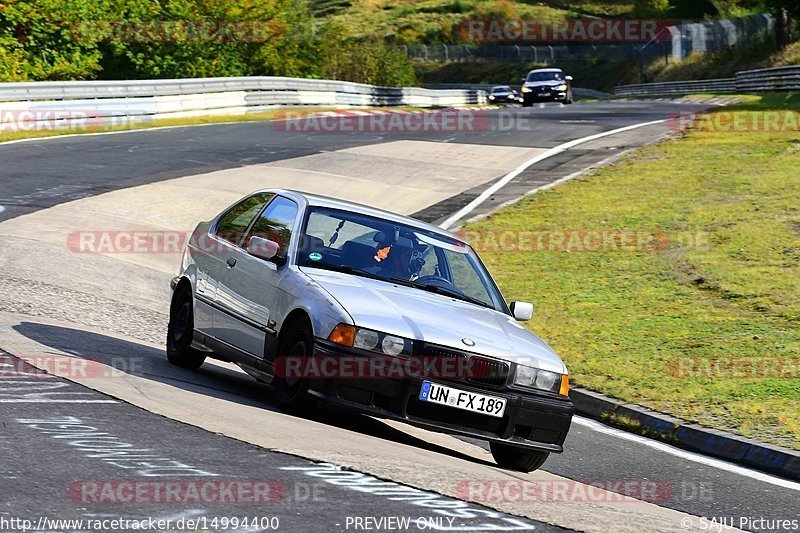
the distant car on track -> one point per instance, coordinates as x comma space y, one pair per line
283, 283
503, 95
546, 85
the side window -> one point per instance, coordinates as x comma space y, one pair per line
276, 223
234, 224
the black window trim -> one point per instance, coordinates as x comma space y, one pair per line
246, 233
212, 231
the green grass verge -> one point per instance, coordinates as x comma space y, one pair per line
707, 328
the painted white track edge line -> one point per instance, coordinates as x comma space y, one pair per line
689, 456
524, 166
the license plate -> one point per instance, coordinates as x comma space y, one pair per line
543, 94
467, 401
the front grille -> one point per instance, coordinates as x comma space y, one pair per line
456, 418
473, 368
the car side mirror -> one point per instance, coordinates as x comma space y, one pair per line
523, 80
263, 248
568, 78
522, 311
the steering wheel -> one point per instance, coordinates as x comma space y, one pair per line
435, 281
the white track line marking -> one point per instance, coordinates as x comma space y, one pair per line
689, 456
523, 167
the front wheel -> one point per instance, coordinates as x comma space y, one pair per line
520, 459
180, 332
291, 392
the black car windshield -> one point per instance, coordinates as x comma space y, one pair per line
503, 89
546, 76
372, 247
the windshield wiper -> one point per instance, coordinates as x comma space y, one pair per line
454, 293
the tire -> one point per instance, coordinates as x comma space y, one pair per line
292, 394
527, 104
520, 459
180, 333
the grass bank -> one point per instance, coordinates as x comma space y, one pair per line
690, 303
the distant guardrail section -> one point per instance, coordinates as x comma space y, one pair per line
778, 79
27, 104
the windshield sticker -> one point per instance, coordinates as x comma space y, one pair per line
315, 256
382, 254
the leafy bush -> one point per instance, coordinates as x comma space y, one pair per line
371, 60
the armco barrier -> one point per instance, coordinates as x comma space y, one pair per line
149, 99
778, 79
677, 88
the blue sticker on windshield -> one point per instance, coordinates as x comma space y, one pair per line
315, 256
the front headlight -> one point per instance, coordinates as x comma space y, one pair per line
561, 88
525, 90
535, 378
369, 340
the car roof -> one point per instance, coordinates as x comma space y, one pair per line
317, 200
501, 87
546, 70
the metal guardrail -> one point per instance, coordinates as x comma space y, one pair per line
677, 88
777, 79
30, 103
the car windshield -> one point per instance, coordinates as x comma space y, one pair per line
545, 76
372, 247
504, 89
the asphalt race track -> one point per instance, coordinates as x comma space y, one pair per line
332, 472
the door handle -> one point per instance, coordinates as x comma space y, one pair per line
231, 262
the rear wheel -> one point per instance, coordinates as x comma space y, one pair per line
514, 458
291, 392
180, 332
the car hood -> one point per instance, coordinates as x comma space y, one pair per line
420, 315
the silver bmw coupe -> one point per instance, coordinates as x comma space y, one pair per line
339, 304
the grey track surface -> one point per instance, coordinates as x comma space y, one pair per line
58, 447
38, 174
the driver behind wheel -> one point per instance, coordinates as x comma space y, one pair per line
398, 259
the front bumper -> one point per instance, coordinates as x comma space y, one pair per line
531, 420
560, 96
